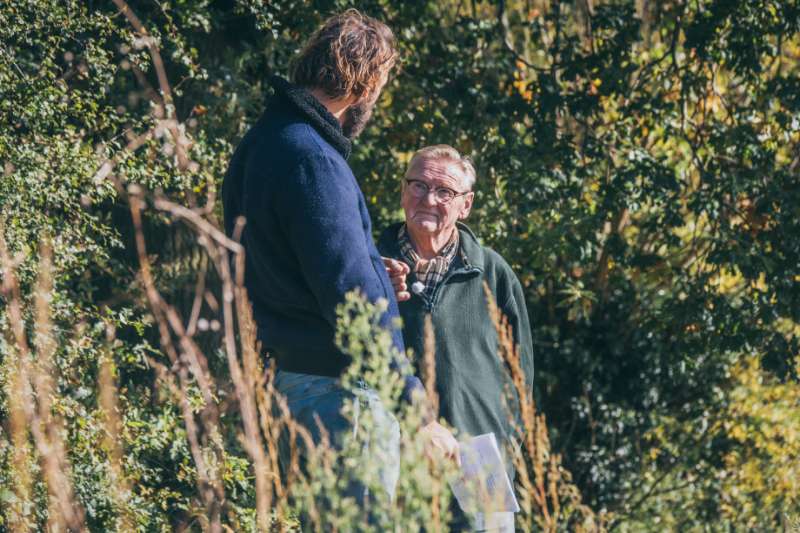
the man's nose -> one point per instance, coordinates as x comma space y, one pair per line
430, 197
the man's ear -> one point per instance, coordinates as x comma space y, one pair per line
467, 206
373, 92
371, 95
349, 100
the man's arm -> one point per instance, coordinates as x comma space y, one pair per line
319, 211
517, 313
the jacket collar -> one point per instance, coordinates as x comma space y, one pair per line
473, 254
314, 112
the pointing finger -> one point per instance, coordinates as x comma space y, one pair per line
395, 267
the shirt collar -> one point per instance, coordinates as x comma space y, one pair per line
314, 112
470, 250
447, 253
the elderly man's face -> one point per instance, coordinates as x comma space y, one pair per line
429, 213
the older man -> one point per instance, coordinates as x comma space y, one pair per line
308, 233
446, 267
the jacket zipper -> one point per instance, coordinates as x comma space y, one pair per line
435, 296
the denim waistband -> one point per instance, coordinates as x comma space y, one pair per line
297, 385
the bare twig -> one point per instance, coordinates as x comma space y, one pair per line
505, 28
203, 226
209, 482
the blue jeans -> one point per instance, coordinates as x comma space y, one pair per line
311, 398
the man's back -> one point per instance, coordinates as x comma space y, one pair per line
307, 235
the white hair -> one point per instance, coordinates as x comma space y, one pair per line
439, 152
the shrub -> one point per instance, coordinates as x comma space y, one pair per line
637, 165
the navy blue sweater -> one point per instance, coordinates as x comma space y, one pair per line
308, 235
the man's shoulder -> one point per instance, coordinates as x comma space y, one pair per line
284, 137
496, 260
488, 259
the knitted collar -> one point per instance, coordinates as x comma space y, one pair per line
313, 111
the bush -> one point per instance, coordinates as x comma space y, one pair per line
637, 165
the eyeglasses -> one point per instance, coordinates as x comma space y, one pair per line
443, 195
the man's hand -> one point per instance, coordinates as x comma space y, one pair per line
440, 442
398, 271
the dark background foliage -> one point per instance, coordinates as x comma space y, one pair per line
638, 167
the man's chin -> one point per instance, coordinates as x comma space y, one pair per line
356, 118
354, 130
426, 226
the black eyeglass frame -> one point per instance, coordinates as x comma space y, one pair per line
454, 194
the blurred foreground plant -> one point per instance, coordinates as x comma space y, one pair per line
313, 492
638, 166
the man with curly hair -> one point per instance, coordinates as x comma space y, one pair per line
308, 234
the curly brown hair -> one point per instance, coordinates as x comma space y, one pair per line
346, 56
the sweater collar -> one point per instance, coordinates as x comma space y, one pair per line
472, 254
314, 112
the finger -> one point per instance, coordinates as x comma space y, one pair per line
441, 448
403, 296
396, 267
457, 458
399, 286
395, 273
453, 450
450, 447
392, 265
428, 455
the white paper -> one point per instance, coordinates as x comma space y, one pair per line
483, 485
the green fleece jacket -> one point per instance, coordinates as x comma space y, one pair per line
470, 378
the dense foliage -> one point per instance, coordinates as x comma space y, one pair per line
638, 166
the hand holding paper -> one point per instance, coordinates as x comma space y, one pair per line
439, 442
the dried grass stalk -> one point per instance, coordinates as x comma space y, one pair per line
33, 385
112, 439
548, 497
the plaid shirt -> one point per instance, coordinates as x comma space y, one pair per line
429, 272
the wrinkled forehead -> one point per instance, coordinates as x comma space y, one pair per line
443, 172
